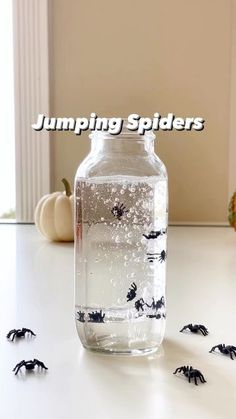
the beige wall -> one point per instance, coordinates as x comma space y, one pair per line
116, 58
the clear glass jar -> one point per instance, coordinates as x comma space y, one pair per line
120, 246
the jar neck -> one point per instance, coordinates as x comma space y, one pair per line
122, 145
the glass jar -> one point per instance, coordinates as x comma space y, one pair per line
120, 246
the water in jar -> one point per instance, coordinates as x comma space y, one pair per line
121, 230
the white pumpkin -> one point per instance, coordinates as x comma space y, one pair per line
54, 215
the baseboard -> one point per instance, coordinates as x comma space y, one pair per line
198, 224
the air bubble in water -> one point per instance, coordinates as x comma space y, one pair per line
122, 192
131, 275
113, 190
102, 218
129, 234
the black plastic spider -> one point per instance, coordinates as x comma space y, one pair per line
153, 256
29, 365
132, 292
154, 234
157, 304
119, 210
81, 316
190, 373
96, 317
19, 333
162, 256
139, 304
154, 316
195, 328
226, 350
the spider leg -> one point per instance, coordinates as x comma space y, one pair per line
25, 330
213, 348
13, 336
41, 364
195, 380
18, 366
184, 328
189, 376
201, 376
234, 352
231, 355
10, 333
203, 331
179, 369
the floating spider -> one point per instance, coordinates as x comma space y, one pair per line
29, 365
153, 256
154, 234
139, 304
119, 210
155, 305
81, 316
19, 333
154, 316
162, 256
195, 328
226, 350
96, 317
190, 373
132, 292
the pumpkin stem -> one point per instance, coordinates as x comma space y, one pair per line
67, 187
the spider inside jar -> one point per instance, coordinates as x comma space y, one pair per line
119, 210
154, 234
81, 316
132, 292
155, 305
190, 373
139, 304
161, 256
29, 365
195, 328
19, 333
96, 317
225, 349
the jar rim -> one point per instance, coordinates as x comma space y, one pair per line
125, 133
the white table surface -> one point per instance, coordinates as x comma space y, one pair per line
36, 291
